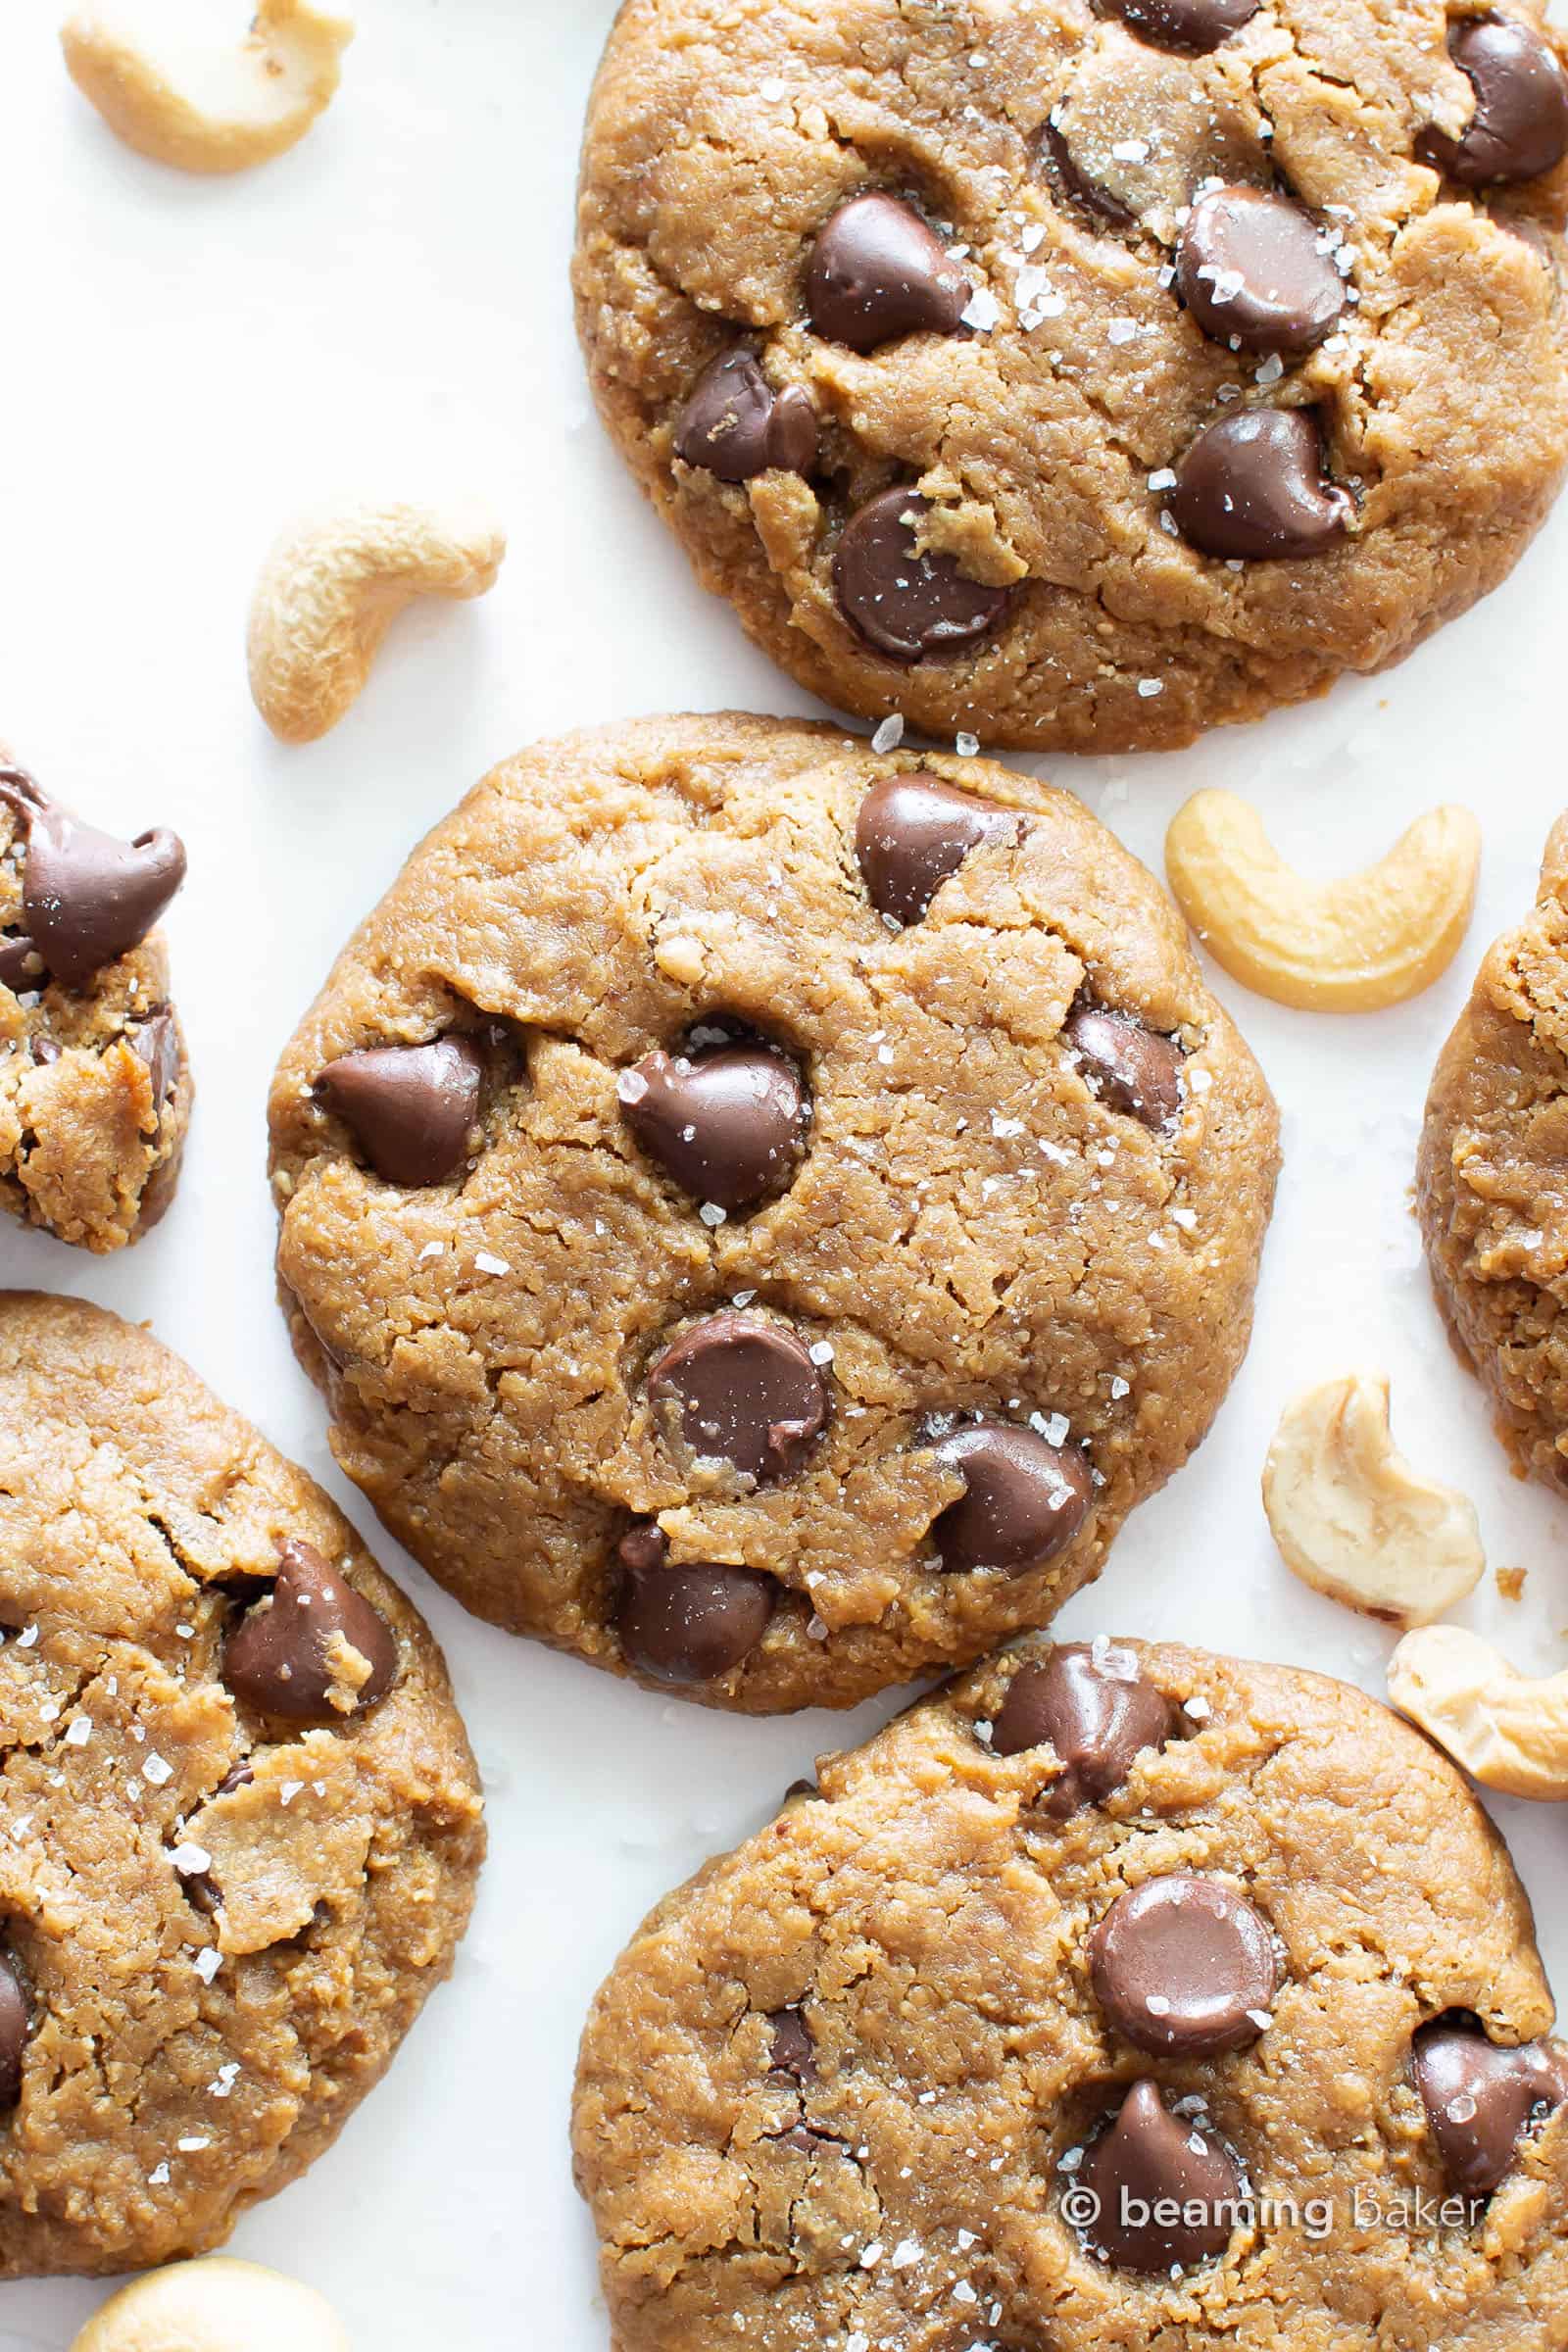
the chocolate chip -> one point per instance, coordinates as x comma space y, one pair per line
793, 2050
86, 898
1252, 485
1075, 176
410, 1109
15, 2025
905, 603
1481, 2098
1520, 124
728, 1123
690, 1622
735, 425
1184, 1967
157, 1042
1255, 271
1193, 26
913, 832
1096, 1721
748, 1394
1025, 1499
45, 1052
239, 1776
1148, 2161
21, 964
276, 1660
877, 271
1135, 1070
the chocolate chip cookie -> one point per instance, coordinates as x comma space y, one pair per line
239, 1822
1115, 1995
763, 1211
1076, 374
95, 1090
1490, 1177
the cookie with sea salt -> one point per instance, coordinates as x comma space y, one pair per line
1114, 1995
762, 1211
95, 1089
1082, 376
239, 1821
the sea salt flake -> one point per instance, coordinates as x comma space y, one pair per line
1121, 330
981, 311
967, 746
871, 2255
79, 1733
190, 1859
1148, 688
712, 1214
820, 1352
194, 2144
908, 2250
631, 1086
208, 1963
1164, 479
158, 2177
155, 1770
485, 1263
1130, 151
890, 734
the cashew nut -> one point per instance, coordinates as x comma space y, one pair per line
1349, 946
213, 2306
1353, 1520
172, 93
1507, 1731
330, 589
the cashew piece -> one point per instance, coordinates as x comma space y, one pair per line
1507, 1731
213, 2306
1349, 946
330, 589
1353, 1520
200, 107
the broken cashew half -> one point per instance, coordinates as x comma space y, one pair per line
213, 2306
331, 588
1507, 1731
1353, 1520
171, 92
1349, 946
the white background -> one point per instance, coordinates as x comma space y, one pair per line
186, 361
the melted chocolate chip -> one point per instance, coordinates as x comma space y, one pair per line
278, 1658
1096, 1721
1184, 1967
45, 1052
1253, 271
158, 1042
735, 425
1193, 26
1481, 2098
1074, 176
1148, 2160
86, 898
1254, 486
21, 964
908, 603
15, 2025
690, 1622
913, 832
1135, 1070
747, 1393
794, 2051
1520, 124
877, 271
728, 1122
239, 1776
410, 1109
1024, 1501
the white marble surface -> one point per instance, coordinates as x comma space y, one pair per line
185, 363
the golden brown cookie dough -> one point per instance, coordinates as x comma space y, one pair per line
1100, 1921
656, 1290
239, 1821
1491, 1177
1217, 385
95, 1089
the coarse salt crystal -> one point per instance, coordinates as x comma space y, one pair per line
981, 311
485, 1263
967, 746
820, 1352
78, 1733
190, 1859
154, 1769
1148, 688
1164, 479
908, 2250
890, 734
208, 1964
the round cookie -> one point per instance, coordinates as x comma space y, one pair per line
1114, 1995
762, 1212
1489, 1177
95, 1089
1081, 376
239, 1821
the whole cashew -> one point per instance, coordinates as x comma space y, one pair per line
1353, 1520
213, 2306
330, 589
1349, 946
199, 105
1507, 1731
